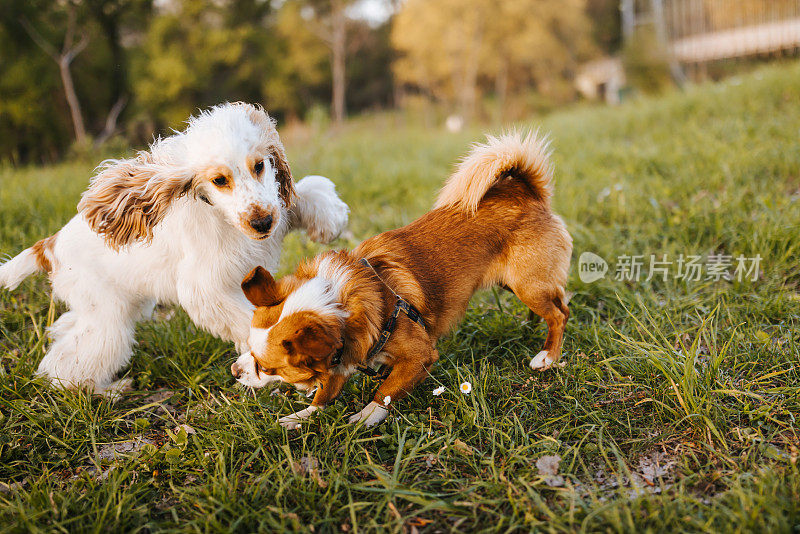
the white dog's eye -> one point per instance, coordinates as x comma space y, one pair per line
258, 167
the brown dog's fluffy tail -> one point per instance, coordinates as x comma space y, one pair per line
524, 157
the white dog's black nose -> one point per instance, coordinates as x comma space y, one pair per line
262, 225
236, 370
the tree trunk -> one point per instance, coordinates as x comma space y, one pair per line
64, 59
338, 53
72, 100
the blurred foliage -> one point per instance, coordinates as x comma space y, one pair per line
201, 53
32, 123
303, 77
161, 61
606, 24
456, 54
34, 118
646, 61
149, 64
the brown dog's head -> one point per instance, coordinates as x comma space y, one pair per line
297, 327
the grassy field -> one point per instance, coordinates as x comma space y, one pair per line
676, 410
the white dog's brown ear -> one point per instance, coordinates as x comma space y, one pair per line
271, 144
283, 174
260, 288
128, 198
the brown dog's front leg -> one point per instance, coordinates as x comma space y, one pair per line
329, 389
402, 379
410, 365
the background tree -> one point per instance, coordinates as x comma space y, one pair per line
77, 59
136, 67
113, 17
34, 118
604, 16
435, 42
451, 48
198, 53
64, 54
370, 83
301, 75
328, 18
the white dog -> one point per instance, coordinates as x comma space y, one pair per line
181, 223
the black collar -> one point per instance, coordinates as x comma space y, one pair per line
400, 305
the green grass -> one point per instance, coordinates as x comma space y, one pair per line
677, 408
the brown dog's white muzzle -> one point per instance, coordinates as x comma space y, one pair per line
236, 370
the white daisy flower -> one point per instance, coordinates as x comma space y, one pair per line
386, 400
466, 388
438, 391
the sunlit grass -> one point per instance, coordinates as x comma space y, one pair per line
677, 409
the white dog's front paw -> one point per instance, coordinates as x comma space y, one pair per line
296, 419
114, 391
543, 362
372, 414
325, 230
321, 211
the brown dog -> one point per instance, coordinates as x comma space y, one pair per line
491, 225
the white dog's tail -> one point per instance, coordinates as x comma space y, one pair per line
510, 155
37, 258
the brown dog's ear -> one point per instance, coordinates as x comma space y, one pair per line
315, 341
271, 144
129, 197
260, 288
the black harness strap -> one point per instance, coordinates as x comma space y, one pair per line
400, 305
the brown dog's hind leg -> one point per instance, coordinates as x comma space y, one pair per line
555, 313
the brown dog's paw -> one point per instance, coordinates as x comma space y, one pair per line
542, 362
296, 419
372, 414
